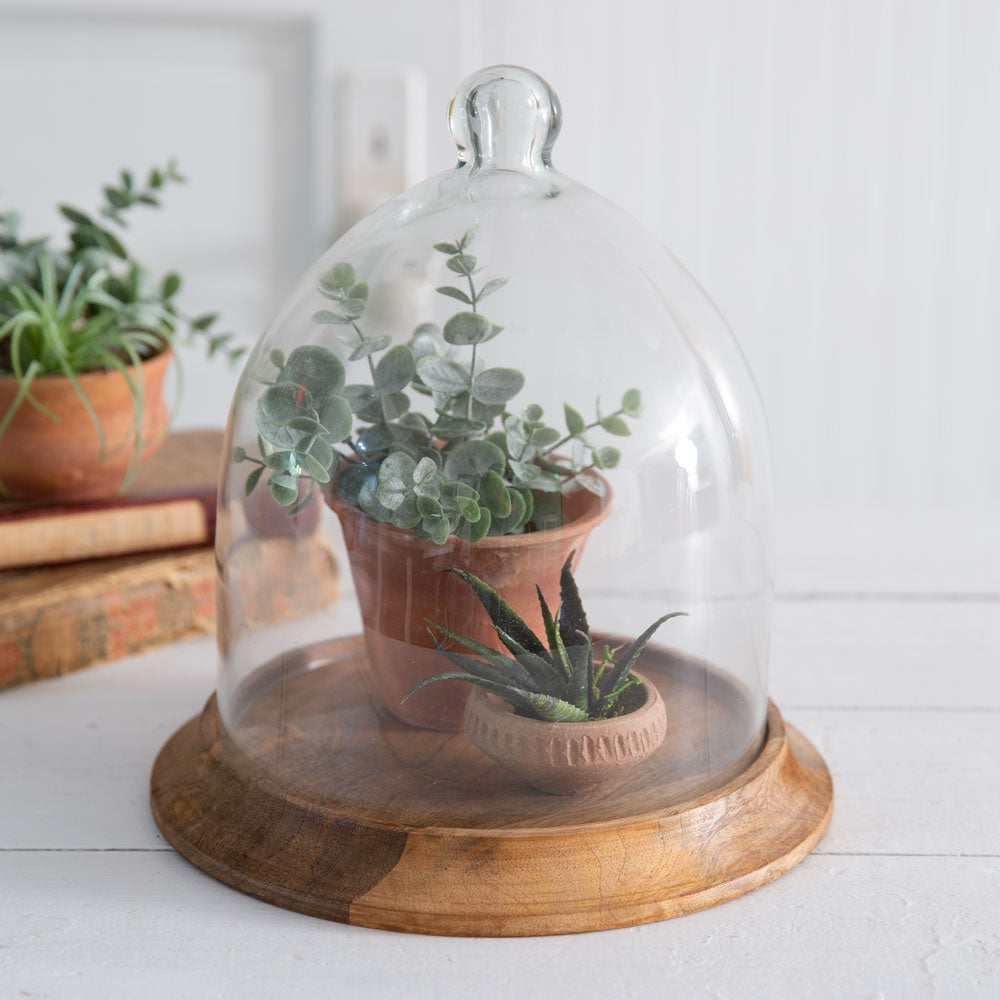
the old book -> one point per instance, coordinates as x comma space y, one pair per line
170, 504
58, 619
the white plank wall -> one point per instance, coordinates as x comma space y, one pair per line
830, 171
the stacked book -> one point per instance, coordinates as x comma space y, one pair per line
86, 583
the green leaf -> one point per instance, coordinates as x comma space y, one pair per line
515, 518
369, 345
353, 308
466, 328
303, 501
116, 198
575, 424
448, 248
443, 375
464, 263
468, 508
253, 479
315, 468
284, 489
607, 458
496, 665
475, 530
504, 618
395, 405
317, 368
394, 370
400, 465
171, 285
533, 413
542, 437
457, 428
632, 403
455, 293
204, 322
473, 459
624, 666
351, 480
360, 397
391, 491
615, 425
75, 216
358, 291
239, 453
277, 358
494, 495
336, 282
335, 415
325, 316
491, 286
497, 385
276, 408
429, 507
439, 530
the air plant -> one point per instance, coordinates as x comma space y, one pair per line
560, 682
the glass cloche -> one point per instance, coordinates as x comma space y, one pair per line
494, 585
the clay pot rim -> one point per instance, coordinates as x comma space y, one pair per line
572, 528
503, 713
158, 360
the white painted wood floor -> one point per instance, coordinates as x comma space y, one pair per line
902, 899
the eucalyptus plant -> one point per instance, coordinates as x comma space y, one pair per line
558, 682
91, 306
472, 468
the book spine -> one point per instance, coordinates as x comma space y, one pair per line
106, 620
72, 535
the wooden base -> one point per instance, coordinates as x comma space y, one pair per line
326, 804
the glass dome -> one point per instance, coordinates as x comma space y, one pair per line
497, 432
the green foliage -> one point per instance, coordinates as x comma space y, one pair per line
557, 680
91, 306
473, 468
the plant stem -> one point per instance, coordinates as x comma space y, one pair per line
371, 368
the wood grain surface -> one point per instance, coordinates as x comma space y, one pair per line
324, 803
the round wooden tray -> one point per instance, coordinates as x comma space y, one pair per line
326, 804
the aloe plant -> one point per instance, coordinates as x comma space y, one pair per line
558, 682
470, 466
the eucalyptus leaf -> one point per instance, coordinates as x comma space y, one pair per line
533, 413
369, 345
475, 530
632, 403
455, 293
493, 494
467, 328
615, 425
283, 489
448, 248
463, 263
443, 375
473, 459
491, 286
335, 415
316, 368
253, 479
575, 423
497, 385
394, 370
607, 458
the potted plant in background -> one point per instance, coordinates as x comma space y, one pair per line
474, 486
86, 334
555, 715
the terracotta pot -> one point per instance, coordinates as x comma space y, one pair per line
402, 582
566, 757
44, 460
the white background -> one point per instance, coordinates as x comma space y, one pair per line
828, 169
